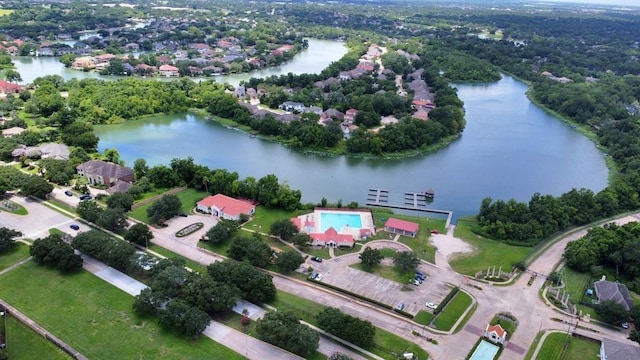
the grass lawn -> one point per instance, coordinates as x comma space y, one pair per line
576, 283
387, 272
533, 346
4, 12
487, 252
318, 251
264, 217
424, 317
578, 348
218, 248
25, 344
388, 253
346, 250
448, 317
96, 318
306, 310
18, 252
55, 204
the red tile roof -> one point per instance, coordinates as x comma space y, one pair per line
407, 226
228, 205
297, 222
332, 234
497, 329
7, 87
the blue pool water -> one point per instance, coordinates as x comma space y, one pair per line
485, 351
338, 220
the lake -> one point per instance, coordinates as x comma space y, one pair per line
510, 148
316, 58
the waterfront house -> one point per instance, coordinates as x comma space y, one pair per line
225, 207
9, 88
402, 227
331, 238
12, 131
100, 172
292, 106
168, 70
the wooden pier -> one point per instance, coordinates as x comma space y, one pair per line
412, 201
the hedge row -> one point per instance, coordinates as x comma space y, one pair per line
446, 300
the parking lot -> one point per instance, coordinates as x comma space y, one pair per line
39, 220
180, 222
337, 272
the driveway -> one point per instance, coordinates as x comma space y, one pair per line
39, 220
179, 222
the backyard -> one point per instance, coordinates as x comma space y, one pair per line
560, 346
89, 311
487, 252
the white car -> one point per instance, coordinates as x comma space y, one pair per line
318, 277
431, 305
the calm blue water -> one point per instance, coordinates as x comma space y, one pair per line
338, 221
485, 351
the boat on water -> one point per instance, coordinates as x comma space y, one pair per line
252, 136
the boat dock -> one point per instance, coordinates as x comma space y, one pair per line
412, 201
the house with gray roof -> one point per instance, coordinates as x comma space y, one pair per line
100, 172
615, 291
614, 350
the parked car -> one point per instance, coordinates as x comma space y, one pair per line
421, 276
435, 232
75, 227
418, 279
431, 305
625, 325
416, 282
85, 197
319, 277
183, 214
68, 193
400, 306
316, 259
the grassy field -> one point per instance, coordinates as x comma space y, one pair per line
452, 312
13, 207
576, 284
170, 254
264, 217
96, 318
422, 248
318, 251
18, 252
188, 197
4, 12
423, 317
487, 252
25, 344
553, 348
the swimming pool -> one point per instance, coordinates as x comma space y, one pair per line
339, 220
485, 351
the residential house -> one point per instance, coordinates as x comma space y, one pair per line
225, 207
331, 114
54, 151
132, 47
241, 92
104, 58
350, 116
614, 350
421, 114
195, 71
331, 238
45, 51
402, 227
292, 106
168, 70
614, 291
100, 172
495, 334
12, 131
83, 62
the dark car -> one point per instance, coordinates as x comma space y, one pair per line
183, 214
75, 227
316, 259
68, 193
85, 197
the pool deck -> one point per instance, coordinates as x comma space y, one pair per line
313, 221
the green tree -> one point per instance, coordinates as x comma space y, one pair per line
252, 249
301, 240
184, 318
164, 209
111, 155
347, 327
12, 76
140, 168
254, 285
289, 261
283, 228
612, 312
120, 200
210, 296
371, 257
112, 219
89, 210
222, 231
139, 234
54, 251
406, 261
283, 329
7, 238
36, 186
